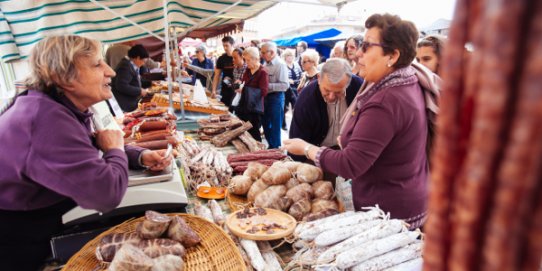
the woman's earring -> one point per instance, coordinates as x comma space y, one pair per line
389, 64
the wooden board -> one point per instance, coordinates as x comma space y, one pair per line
236, 202
240, 226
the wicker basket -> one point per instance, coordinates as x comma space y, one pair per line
215, 252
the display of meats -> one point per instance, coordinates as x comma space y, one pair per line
223, 129
150, 127
157, 236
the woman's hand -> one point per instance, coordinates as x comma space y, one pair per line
155, 160
109, 139
294, 146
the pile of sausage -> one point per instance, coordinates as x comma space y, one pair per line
159, 243
239, 162
202, 164
150, 127
222, 129
485, 206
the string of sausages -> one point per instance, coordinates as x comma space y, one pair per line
485, 206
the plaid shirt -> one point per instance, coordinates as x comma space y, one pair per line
238, 72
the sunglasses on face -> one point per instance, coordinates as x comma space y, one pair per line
364, 46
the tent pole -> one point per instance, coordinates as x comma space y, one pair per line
126, 19
179, 64
168, 60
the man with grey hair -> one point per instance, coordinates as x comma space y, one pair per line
274, 100
201, 67
322, 103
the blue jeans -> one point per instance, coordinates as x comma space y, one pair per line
273, 113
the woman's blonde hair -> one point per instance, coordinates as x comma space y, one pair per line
288, 52
53, 60
312, 55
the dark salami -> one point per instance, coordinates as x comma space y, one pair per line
156, 136
157, 144
519, 171
153, 125
266, 162
446, 154
180, 231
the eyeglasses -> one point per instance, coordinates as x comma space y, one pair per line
364, 46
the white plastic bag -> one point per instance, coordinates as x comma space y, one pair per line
199, 94
236, 99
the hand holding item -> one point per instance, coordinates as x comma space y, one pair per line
184, 73
156, 160
238, 86
109, 139
143, 92
294, 146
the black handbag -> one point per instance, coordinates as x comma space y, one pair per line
251, 100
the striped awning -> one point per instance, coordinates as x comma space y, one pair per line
25, 22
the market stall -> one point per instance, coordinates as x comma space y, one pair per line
248, 209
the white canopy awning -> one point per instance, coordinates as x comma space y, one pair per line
23, 23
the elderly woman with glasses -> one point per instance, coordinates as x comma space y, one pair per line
52, 159
309, 63
384, 134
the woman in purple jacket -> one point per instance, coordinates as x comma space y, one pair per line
51, 159
384, 133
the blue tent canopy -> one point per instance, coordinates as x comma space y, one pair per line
311, 40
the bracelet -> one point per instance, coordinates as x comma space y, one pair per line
306, 150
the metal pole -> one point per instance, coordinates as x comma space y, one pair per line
179, 81
126, 19
168, 59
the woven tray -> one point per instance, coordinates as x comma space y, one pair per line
236, 202
215, 252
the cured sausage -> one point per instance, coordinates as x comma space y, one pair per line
153, 125
180, 231
446, 154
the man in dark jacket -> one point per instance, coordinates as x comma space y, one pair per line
126, 84
322, 103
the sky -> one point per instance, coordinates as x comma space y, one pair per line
289, 15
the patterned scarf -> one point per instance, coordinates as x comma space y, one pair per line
429, 82
400, 77
403, 76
